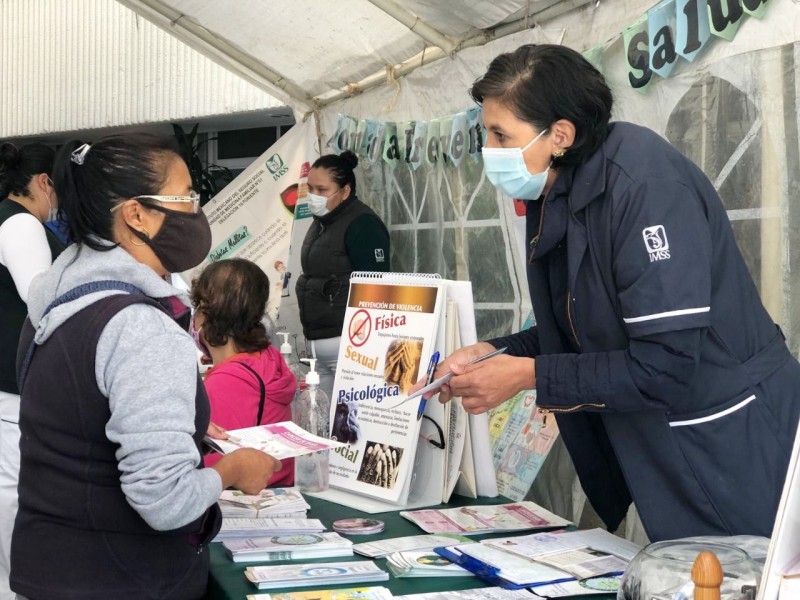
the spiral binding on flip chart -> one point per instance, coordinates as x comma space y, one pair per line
396, 278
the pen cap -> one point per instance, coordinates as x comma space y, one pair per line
312, 377
286, 347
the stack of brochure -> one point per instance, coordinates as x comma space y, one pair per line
288, 547
308, 575
423, 564
383, 548
471, 520
362, 593
234, 529
276, 503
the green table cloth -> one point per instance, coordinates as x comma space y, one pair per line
227, 580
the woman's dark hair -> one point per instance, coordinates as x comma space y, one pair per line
542, 83
340, 167
232, 295
89, 183
19, 165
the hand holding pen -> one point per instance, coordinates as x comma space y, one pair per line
428, 381
482, 375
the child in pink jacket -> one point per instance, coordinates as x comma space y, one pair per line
249, 383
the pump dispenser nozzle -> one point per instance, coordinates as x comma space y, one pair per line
286, 347
312, 377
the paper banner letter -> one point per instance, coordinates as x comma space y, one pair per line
418, 144
391, 148
458, 138
475, 133
370, 141
595, 56
432, 149
357, 138
405, 137
692, 32
661, 31
445, 130
637, 53
334, 142
755, 8
725, 17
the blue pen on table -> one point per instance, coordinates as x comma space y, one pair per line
428, 380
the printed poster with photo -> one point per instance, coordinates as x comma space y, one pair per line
252, 216
388, 336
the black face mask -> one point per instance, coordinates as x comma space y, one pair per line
183, 241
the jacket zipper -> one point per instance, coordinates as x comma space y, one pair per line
571, 322
569, 409
535, 240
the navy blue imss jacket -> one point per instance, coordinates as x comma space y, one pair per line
671, 384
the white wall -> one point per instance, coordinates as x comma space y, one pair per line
85, 64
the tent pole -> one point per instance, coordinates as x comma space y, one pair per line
223, 53
433, 36
430, 55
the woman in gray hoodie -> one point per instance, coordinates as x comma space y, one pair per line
113, 499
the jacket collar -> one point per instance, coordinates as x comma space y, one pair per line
590, 178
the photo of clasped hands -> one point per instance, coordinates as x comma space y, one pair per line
482, 385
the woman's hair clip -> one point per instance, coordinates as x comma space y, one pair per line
78, 155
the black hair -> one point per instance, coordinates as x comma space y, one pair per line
18, 166
543, 83
114, 169
340, 167
232, 294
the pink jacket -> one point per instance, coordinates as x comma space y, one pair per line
234, 394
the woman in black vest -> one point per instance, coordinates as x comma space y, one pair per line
346, 236
113, 499
26, 249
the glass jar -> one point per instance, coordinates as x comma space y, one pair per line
663, 571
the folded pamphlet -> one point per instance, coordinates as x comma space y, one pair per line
471, 520
288, 547
280, 440
423, 564
308, 575
237, 528
277, 503
362, 593
383, 548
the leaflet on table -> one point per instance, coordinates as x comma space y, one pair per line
362, 593
389, 331
382, 548
280, 440
267, 503
469, 520
307, 575
543, 544
246, 528
285, 547
502, 568
487, 593
421, 563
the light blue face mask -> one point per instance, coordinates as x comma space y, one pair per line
505, 168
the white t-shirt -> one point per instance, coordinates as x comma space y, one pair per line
24, 250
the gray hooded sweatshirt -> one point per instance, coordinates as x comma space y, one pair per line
146, 366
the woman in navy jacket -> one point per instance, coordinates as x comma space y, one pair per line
671, 384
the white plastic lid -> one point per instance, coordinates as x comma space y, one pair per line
286, 347
312, 377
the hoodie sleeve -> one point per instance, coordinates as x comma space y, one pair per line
145, 365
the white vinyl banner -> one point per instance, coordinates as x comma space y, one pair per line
252, 217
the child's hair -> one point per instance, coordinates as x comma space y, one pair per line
232, 295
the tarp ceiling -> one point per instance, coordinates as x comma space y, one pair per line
303, 51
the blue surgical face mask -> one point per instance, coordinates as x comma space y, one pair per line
505, 168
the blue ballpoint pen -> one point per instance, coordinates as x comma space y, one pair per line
428, 380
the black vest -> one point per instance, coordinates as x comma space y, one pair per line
75, 535
12, 309
323, 287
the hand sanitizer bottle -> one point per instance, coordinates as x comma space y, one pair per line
312, 413
294, 366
